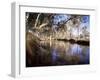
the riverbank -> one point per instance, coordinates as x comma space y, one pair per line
81, 42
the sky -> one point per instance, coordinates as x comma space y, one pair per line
84, 22
60, 17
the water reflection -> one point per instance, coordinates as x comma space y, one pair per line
62, 53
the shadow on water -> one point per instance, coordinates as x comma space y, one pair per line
53, 53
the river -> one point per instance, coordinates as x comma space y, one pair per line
62, 53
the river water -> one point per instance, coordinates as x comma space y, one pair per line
62, 53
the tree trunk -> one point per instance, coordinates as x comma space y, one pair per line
37, 20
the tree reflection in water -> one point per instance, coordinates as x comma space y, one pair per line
62, 53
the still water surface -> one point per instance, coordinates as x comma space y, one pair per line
61, 53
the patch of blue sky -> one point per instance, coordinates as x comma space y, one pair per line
60, 17
85, 18
85, 22
64, 17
